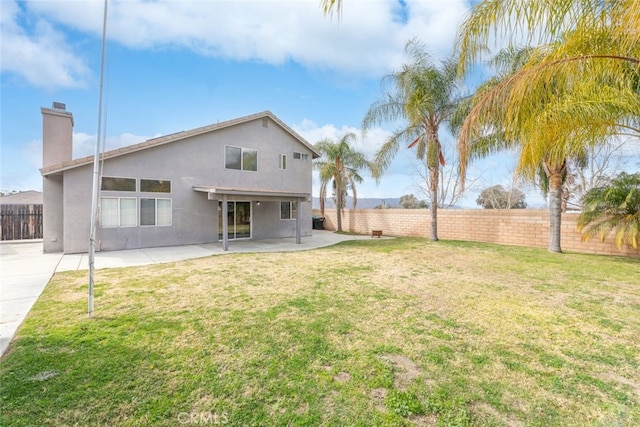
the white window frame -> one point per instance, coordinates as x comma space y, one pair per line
300, 156
242, 152
291, 211
156, 192
120, 212
282, 161
156, 212
135, 183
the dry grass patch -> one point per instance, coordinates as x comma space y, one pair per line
384, 332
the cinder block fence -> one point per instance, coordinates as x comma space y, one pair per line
521, 227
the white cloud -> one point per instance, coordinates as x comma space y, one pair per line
39, 54
396, 181
85, 144
402, 177
32, 154
314, 133
20, 164
369, 39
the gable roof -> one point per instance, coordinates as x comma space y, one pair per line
30, 197
167, 139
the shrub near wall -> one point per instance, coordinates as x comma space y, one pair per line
521, 227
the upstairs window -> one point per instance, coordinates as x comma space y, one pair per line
300, 156
282, 161
112, 183
240, 158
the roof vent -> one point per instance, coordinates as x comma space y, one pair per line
59, 106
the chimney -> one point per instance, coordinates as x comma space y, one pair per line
57, 135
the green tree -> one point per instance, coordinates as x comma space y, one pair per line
383, 205
577, 87
613, 208
596, 170
409, 201
339, 167
496, 197
538, 162
425, 95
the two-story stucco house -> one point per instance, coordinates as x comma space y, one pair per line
248, 178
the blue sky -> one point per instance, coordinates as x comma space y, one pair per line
177, 65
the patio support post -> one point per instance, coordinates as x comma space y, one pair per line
225, 223
298, 216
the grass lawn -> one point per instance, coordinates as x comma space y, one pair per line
375, 332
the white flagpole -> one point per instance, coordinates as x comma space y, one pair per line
96, 170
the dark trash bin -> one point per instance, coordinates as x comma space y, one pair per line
318, 223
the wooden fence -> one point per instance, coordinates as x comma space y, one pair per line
21, 222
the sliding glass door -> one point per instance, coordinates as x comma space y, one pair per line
238, 220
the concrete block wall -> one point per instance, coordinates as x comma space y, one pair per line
520, 227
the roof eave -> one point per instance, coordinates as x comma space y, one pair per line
166, 139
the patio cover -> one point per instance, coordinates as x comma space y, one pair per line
222, 194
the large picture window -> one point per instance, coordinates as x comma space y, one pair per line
118, 212
155, 211
288, 210
240, 158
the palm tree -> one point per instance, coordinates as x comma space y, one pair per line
615, 207
426, 96
578, 87
339, 165
328, 6
488, 133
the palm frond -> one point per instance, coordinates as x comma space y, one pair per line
614, 208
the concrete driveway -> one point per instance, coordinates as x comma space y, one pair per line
25, 270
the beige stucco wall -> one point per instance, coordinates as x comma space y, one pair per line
198, 160
521, 227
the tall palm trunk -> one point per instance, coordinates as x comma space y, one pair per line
339, 213
433, 164
555, 173
434, 176
338, 192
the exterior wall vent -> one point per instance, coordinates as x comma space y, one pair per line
265, 122
59, 106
